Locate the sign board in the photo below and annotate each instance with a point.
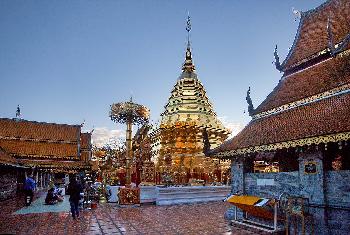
(310, 167)
(264, 182)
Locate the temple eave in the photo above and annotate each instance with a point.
(324, 139)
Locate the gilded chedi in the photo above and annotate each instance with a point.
(179, 137)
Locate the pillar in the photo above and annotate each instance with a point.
(312, 182)
(37, 178)
(128, 151)
(237, 184)
(41, 180)
(237, 175)
(312, 186)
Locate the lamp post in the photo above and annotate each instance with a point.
(129, 113)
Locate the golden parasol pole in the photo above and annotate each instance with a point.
(128, 150)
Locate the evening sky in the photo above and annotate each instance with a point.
(68, 61)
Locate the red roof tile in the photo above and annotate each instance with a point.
(328, 116)
(314, 80)
(312, 34)
(38, 130)
(44, 149)
(6, 158)
(85, 156)
(85, 140)
(55, 164)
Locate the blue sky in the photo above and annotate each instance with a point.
(66, 61)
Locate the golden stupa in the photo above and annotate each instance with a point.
(178, 140)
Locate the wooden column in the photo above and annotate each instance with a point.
(128, 151)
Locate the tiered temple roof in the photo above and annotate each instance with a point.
(6, 158)
(312, 38)
(45, 145)
(39, 130)
(85, 146)
(317, 79)
(310, 104)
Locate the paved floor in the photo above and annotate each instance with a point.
(205, 218)
(38, 206)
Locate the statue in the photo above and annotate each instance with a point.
(250, 103)
(206, 143)
(18, 112)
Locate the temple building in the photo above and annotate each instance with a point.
(303, 124)
(45, 149)
(179, 138)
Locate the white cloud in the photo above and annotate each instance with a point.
(234, 127)
(102, 136)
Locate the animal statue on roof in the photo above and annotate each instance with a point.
(206, 143)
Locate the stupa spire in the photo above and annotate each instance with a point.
(188, 65)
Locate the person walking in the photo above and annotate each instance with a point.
(29, 187)
(74, 190)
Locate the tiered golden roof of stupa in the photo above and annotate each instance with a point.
(187, 114)
(189, 108)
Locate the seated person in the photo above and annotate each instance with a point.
(51, 198)
(57, 191)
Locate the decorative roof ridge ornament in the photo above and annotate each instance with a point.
(83, 123)
(277, 60)
(250, 103)
(188, 65)
(297, 13)
(341, 46)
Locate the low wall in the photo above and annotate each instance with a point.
(8, 183)
(338, 188)
(148, 194)
(193, 194)
(272, 184)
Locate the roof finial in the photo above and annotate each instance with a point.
(250, 103)
(188, 29)
(83, 123)
(297, 13)
(188, 66)
(341, 45)
(18, 112)
(277, 60)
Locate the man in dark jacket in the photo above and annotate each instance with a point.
(74, 190)
(29, 187)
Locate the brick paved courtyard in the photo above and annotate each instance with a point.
(204, 218)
